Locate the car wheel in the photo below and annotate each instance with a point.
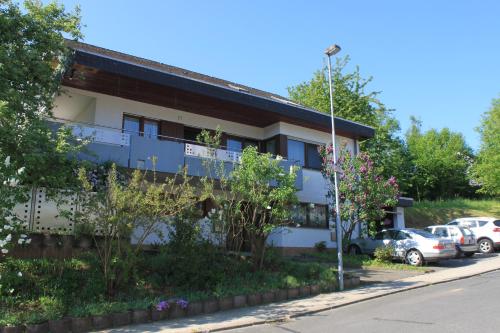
(469, 254)
(414, 258)
(485, 246)
(354, 250)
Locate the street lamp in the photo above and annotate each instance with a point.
(330, 51)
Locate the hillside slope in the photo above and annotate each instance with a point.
(426, 213)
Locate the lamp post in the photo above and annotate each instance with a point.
(330, 51)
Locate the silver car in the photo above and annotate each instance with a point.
(464, 239)
(412, 245)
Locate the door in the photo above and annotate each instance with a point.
(402, 243)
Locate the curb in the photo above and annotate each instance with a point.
(286, 318)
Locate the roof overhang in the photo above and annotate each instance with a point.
(405, 202)
(275, 110)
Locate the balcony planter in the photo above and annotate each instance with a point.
(38, 328)
(195, 308)
(293, 293)
(281, 295)
(305, 291)
(102, 322)
(254, 299)
(60, 325)
(226, 303)
(13, 329)
(81, 325)
(140, 316)
(157, 315)
(210, 306)
(315, 289)
(268, 297)
(121, 319)
(240, 301)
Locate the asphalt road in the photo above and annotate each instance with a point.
(469, 305)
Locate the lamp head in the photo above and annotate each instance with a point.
(332, 50)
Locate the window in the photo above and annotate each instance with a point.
(132, 125)
(496, 223)
(313, 159)
(234, 145)
(296, 152)
(151, 129)
(306, 154)
(468, 224)
(310, 215)
(140, 126)
(400, 235)
(270, 147)
(441, 232)
(191, 133)
(482, 223)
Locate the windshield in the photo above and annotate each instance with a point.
(423, 233)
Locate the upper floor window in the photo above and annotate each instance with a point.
(306, 154)
(140, 126)
(238, 144)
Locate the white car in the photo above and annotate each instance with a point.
(464, 239)
(412, 245)
(486, 230)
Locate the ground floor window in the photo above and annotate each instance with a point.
(310, 215)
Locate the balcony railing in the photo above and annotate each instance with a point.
(131, 150)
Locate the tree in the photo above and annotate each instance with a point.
(441, 161)
(115, 212)
(352, 102)
(33, 58)
(364, 194)
(265, 191)
(486, 169)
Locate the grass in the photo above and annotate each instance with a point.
(364, 261)
(425, 213)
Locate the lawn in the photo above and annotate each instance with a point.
(425, 213)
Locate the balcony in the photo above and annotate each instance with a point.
(133, 151)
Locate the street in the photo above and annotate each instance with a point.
(468, 305)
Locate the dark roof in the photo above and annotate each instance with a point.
(159, 73)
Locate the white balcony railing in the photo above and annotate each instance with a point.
(101, 135)
(205, 152)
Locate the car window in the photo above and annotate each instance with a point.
(441, 232)
(423, 233)
(482, 223)
(496, 223)
(453, 223)
(379, 235)
(466, 231)
(400, 235)
(428, 229)
(455, 231)
(468, 224)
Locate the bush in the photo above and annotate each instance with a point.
(383, 253)
(320, 246)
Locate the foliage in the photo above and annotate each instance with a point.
(425, 213)
(352, 102)
(441, 160)
(33, 58)
(121, 213)
(486, 169)
(363, 193)
(320, 246)
(383, 253)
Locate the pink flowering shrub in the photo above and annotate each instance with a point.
(363, 193)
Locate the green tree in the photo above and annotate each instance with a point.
(352, 102)
(364, 194)
(486, 169)
(441, 161)
(33, 58)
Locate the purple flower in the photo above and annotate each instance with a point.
(392, 180)
(182, 303)
(362, 169)
(162, 306)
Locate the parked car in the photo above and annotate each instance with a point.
(415, 246)
(464, 239)
(486, 230)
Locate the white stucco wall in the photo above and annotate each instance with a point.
(399, 218)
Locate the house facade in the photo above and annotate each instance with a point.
(134, 109)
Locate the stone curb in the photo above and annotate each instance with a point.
(305, 313)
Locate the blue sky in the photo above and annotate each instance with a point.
(437, 60)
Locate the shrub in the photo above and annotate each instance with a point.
(290, 282)
(320, 246)
(383, 253)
